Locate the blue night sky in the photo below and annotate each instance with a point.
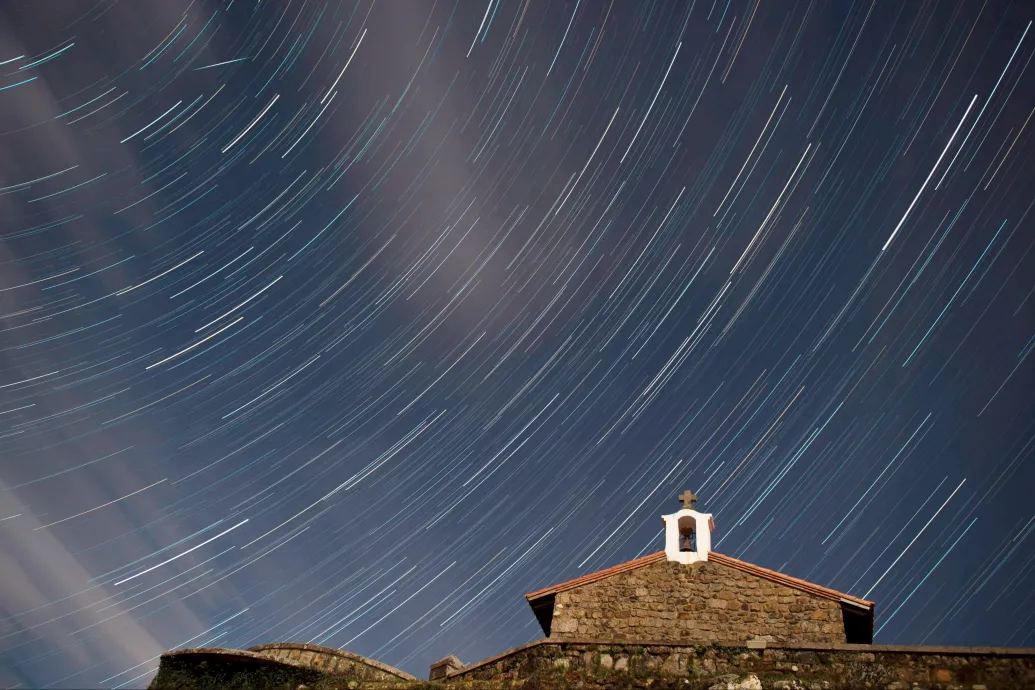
(351, 322)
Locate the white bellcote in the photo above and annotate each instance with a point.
(688, 533)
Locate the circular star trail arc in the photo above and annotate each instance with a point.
(351, 322)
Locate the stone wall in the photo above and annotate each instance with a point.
(592, 664)
(704, 602)
(330, 660)
(621, 665)
(223, 669)
(282, 666)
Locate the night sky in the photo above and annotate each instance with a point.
(350, 323)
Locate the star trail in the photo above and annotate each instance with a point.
(351, 322)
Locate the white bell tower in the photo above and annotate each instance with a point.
(688, 534)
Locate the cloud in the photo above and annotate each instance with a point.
(37, 569)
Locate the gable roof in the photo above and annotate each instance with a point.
(729, 561)
(858, 613)
(598, 575)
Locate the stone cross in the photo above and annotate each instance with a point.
(688, 498)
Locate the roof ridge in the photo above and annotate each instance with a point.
(598, 575)
(788, 580)
(729, 561)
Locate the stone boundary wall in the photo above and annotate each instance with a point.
(330, 660)
(242, 656)
(812, 666)
(211, 668)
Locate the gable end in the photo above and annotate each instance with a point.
(832, 617)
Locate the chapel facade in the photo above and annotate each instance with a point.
(691, 594)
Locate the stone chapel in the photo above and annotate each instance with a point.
(689, 593)
(685, 615)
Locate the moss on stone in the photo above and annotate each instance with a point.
(185, 674)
